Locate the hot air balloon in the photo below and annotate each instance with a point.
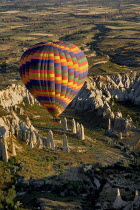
(53, 72)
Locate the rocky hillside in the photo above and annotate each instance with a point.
(20, 136)
(98, 94)
(98, 91)
(15, 94)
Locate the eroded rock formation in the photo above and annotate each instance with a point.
(65, 143)
(130, 205)
(13, 95)
(64, 124)
(99, 90)
(11, 126)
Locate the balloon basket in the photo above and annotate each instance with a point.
(56, 120)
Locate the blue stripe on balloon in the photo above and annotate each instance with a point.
(42, 61)
(83, 74)
(74, 91)
(76, 73)
(61, 102)
(46, 98)
(58, 85)
(79, 54)
(64, 87)
(64, 67)
(51, 109)
(41, 83)
(57, 64)
(70, 70)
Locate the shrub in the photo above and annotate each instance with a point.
(7, 199)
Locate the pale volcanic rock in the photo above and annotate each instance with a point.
(94, 94)
(118, 114)
(99, 90)
(128, 123)
(11, 125)
(3, 148)
(18, 110)
(133, 204)
(28, 122)
(33, 138)
(136, 201)
(78, 129)
(109, 126)
(64, 124)
(31, 144)
(107, 113)
(51, 139)
(73, 126)
(15, 94)
(82, 132)
(40, 143)
(119, 203)
(13, 149)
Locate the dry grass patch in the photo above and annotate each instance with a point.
(10, 12)
(22, 38)
(5, 47)
(41, 34)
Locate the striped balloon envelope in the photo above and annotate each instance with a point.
(53, 72)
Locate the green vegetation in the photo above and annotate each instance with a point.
(128, 108)
(7, 199)
(2, 112)
(106, 30)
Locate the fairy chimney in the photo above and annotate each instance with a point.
(82, 133)
(13, 149)
(28, 122)
(137, 200)
(109, 126)
(64, 124)
(78, 130)
(65, 143)
(5, 156)
(119, 203)
(51, 139)
(73, 126)
(39, 143)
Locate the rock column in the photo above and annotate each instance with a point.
(51, 139)
(64, 124)
(78, 130)
(119, 203)
(73, 126)
(82, 133)
(137, 200)
(39, 143)
(13, 149)
(109, 126)
(5, 156)
(65, 143)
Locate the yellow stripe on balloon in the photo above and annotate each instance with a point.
(58, 78)
(70, 83)
(64, 81)
(45, 93)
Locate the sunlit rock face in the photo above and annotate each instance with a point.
(98, 91)
(95, 94)
(11, 125)
(15, 94)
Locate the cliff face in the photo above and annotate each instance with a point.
(15, 94)
(96, 93)
(99, 90)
